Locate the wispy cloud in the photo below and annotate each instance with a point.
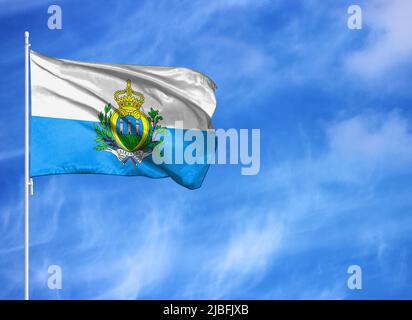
(241, 258)
(118, 250)
(320, 202)
(18, 6)
(10, 154)
(389, 45)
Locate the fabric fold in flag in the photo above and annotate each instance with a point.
(112, 118)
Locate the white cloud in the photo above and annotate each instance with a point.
(390, 42)
(329, 202)
(241, 258)
(248, 251)
(147, 259)
(10, 154)
(361, 151)
(17, 6)
(370, 140)
(127, 259)
(358, 150)
(305, 202)
(249, 248)
(112, 249)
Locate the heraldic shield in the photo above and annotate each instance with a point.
(129, 125)
(127, 131)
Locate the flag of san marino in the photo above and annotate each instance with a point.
(111, 118)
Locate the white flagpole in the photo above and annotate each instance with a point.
(27, 180)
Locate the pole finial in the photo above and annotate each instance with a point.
(26, 37)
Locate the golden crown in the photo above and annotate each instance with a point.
(128, 99)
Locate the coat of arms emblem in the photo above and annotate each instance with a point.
(127, 131)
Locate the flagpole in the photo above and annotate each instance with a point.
(27, 181)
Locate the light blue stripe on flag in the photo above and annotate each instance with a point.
(60, 146)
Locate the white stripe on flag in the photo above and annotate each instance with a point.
(79, 90)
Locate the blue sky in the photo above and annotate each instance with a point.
(333, 106)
